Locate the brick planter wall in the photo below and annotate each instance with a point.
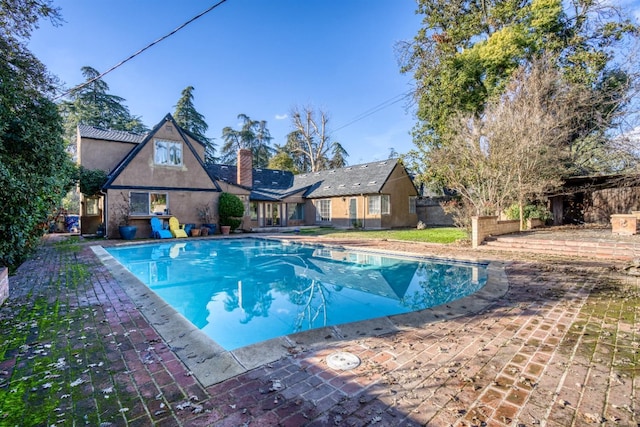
(484, 226)
(4, 284)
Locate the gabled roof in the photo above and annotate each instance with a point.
(367, 178)
(123, 164)
(274, 185)
(110, 135)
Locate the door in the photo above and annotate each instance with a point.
(353, 211)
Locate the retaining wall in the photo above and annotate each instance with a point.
(484, 226)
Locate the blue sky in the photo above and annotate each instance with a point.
(256, 57)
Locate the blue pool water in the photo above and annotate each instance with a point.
(243, 291)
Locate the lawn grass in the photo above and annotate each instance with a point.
(443, 235)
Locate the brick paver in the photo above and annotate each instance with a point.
(560, 349)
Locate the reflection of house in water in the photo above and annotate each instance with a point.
(360, 271)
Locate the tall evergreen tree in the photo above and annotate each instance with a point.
(91, 104)
(35, 170)
(254, 136)
(190, 119)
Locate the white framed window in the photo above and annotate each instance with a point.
(323, 210)
(412, 204)
(167, 153)
(91, 206)
(148, 203)
(379, 205)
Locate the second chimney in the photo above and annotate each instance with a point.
(245, 168)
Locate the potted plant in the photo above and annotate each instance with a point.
(230, 210)
(122, 210)
(205, 213)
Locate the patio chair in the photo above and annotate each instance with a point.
(174, 226)
(157, 232)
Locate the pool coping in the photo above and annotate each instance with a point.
(210, 364)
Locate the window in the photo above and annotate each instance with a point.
(168, 153)
(253, 208)
(323, 210)
(296, 211)
(149, 203)
(412, 204)
(380, 205)
(91, 206)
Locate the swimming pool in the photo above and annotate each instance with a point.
(244, 291)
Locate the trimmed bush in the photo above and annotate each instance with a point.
(230, 210)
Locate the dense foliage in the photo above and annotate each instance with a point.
(35, 169)
(91, 180)
(467, 52)
(230, 210)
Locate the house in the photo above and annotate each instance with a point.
(163, 174)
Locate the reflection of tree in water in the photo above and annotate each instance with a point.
(438, 282)
(304, 298)
(253, 298)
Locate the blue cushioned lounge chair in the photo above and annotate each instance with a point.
(157, 231)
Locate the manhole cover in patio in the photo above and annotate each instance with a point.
(343, 361)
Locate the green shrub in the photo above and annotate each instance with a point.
(230, 210)
(533, 211)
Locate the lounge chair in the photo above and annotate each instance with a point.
(157, 232)
(174, 226)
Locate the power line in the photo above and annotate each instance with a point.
(389, 102)
(119, 64)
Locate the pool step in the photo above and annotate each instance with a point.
(624, 251)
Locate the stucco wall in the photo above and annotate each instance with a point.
(399, 187)
(99, 154)
(188, 186)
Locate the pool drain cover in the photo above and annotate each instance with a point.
(343, 361)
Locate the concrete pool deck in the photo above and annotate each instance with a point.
(560, 347)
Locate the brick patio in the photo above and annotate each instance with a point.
(560, 348)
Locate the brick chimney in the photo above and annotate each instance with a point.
(245, 168)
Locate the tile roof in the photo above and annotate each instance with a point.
(110, 135)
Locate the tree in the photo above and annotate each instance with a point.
(35, 170)
(92, 105)
(310, 141)
(467, 51)
(190, 119)
(282, 160)
(516, 150)
(253, 136)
